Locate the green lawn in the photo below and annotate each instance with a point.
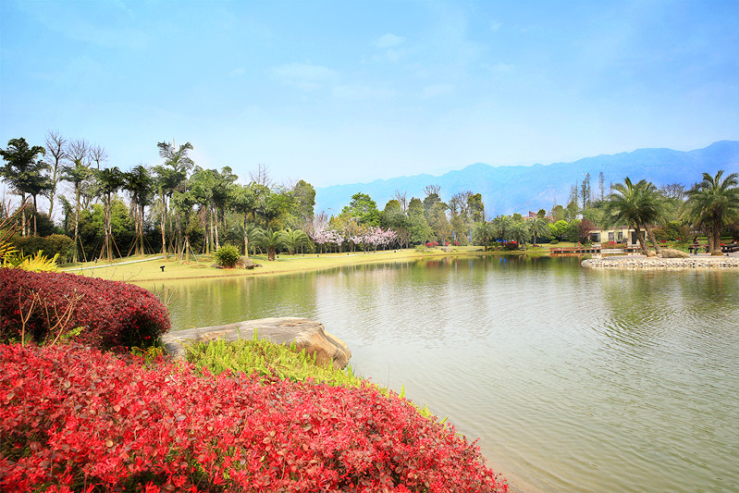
(205, 267)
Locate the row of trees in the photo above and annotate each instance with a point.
(178, 207)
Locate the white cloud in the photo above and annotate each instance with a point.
(238, 71)
(495, 25)
(388, 41)
(436, 90)
(304, 76)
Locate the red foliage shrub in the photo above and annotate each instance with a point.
(74, 417)
(456, 243)
(111, 313)
(510, 245)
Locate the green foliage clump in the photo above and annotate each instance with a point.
(51, 245)
(268, 360)
(227, 256)
(276, 362)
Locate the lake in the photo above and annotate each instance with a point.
(573, 380)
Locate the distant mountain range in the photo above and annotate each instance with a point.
(509, 189)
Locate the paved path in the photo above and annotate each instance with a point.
(114, 265)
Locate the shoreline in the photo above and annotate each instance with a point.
(640, 262)
(147, 270)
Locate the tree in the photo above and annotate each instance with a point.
(476, 208)
(271, 241)
(110, 180)
(77, 174)
(519, 232)
(420, 230)
(21, 170)
(292, 239)
(56, 154)
(363, 210)
(171, 174)
(483, 233)
(501, 225)
(714, 203)
(139, 183)
(539, 227)
(245, 200)
(623, 206)
(305, 196)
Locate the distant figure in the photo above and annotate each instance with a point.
(695, 240)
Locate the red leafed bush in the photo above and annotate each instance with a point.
(74, 417)
(44, 306)
(510, 245)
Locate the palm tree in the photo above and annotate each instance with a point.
(293, 239)
(623, 207)
(77, 175)
(171, 175)
(245, 200)
(22, 170)
(271, 241)
(501, 225)
(539, 227)
(714, 203)
(139, 183)
(483, 233)
(110, 180)
(652, 209)
(519, 232)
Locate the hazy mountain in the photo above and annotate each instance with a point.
(509, 189)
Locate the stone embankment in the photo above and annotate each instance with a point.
(657, 263)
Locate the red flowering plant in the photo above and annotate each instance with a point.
(74, 418)
(44, 307)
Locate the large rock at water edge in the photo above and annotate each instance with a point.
(672, 253)
(306, 334)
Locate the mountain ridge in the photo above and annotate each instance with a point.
(509, 189)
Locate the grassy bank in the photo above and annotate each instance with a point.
(137, 270)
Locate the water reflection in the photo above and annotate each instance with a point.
(575, 380)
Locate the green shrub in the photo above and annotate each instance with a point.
(51, 245)
(227, 256)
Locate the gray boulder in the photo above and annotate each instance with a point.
(672, 253)
(306, 334)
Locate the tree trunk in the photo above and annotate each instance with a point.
(642, 242)
(246, 239)
(76, 224)
(271, 253)
(164, 226)
(657, 248)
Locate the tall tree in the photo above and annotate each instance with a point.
(714, 204)
(140, 185)
(21, 170)
(109, 180)
(171, 176)
(78, 173)
(539, 227)
(56, 154)
(245, 200)
(623, 207)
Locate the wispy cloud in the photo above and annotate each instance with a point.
(56, 18)
(389, 40)
(238, 71)
(304, 76)
(495, 26)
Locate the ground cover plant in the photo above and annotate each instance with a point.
(77, 419)
(46, 307)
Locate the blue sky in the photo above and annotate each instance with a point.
(350, 91)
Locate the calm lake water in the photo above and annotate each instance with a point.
(573, 380)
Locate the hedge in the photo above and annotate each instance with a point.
(78, 419)
(46, 307)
